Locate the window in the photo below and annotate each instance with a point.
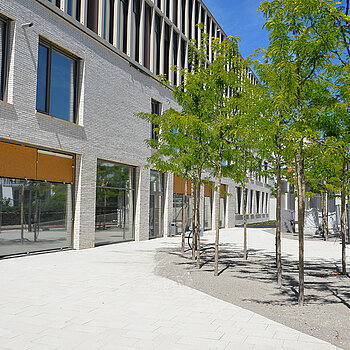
(56, 86)
(92, 15)
(74, 8)
(3, 56)
(166, 49)
(158, 33)
(175, 9)
(190, 9)
(257, 202)
(56, 2)
(239, 200)
(123, 25)
(147, 38)
(156, 109)
(108, 25)
(175, 52)
(183, 15)
(137, 18)
(114, 216)
(156, 204)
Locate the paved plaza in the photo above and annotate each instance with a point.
(110, 298)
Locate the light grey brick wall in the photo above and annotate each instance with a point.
(111, 92)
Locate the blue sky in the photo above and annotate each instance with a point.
(240, 18)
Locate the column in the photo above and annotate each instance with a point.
(85, 201)
(142, 195)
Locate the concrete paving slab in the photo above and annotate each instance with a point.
(110, 298)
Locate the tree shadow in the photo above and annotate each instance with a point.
(323, 284)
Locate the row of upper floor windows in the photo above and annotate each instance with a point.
(155, 33)
(58, 74)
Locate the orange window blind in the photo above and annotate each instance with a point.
(17, 162)
(179, 185)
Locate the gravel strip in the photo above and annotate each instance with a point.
(251, 284)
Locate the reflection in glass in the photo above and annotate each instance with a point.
(42, 79)
(34, 216)
(178, 206)
(156, 205)
(2, 56)
(114, 221)
(62, 87)
(207, 213)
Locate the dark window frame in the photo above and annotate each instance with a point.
(5, 57)
(156, 108)
(52, 47)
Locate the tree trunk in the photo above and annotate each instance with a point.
(278, 223)
(198, 225)
(193, 191)
(342, 219)
(245, 239)
(300, 181)
(184, 218)
(326, 215)
(217, 224)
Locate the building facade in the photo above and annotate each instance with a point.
(72, 153)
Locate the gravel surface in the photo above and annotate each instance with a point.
(251, 285)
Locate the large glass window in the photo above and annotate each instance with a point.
(207, 213)
(56, 85)
(114, 220)
(178, 212)
(222, 212)
(34, 216)
(156, 204)
(3, 58)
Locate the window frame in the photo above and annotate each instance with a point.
(155, 134)
(5, 57)
(52, 47)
